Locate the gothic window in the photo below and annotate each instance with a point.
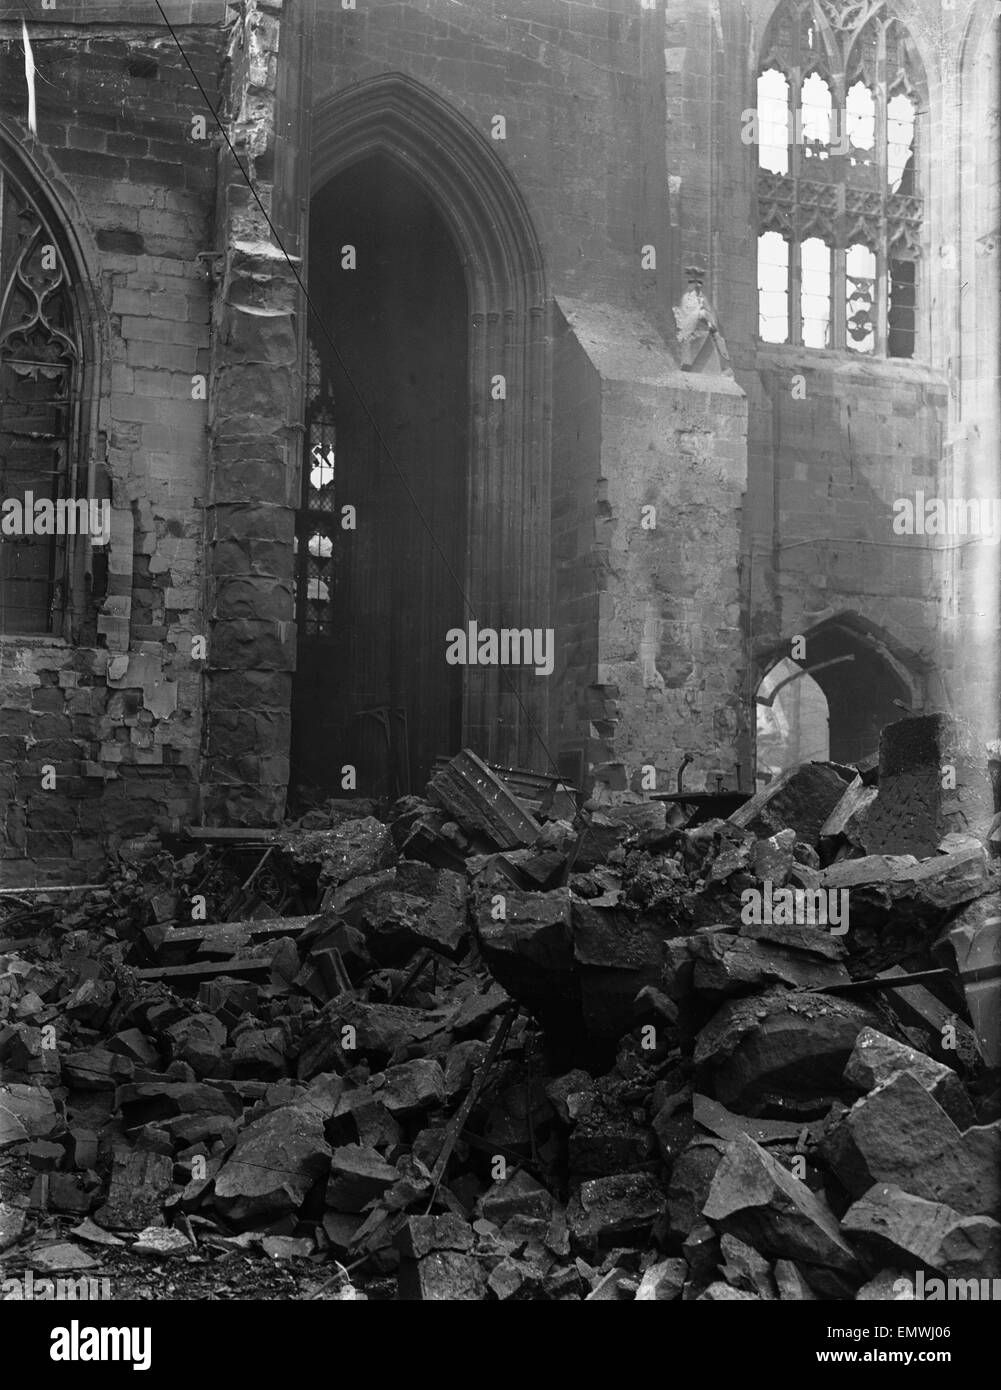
(840, 96)
(316, 520)
(40, 374)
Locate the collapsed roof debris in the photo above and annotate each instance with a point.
(471, 1050)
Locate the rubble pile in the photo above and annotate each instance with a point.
(493, 1047)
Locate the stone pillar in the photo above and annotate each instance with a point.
(254, 457)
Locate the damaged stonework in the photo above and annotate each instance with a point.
(101, 715)
(253, 461)
(671, 477)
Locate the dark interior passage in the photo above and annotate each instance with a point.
(860, 692)
(374, 603)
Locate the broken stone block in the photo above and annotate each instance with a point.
(616, 956)
(616, 1286)
(726, 1293)
(618, 1209)
(899, 1134)
(90, 1003)
(135, 1045)
(162, 1243)
(73, 1192)
(744, 1268)
(419, 1235)
(145, 1102)
(412, 1087)
(513, 1279)
(691, 1179)
(944, 1032)
(140, 1179)
(520, 1195)
(888, 1286)
(876, 1058)
(755, 1198)
(444, 1276)
(800, 799)
(662, 1282)
(354, 847)
(898, 902)
(790, 1284)
(96, 1069)
(461, 1065)
(358, 1175)
(570, 1094)
(198, 1040)
(726, 964)
(781, 1056)
(277, 1160)
(846, 823)
(61, 1258)
(892, 1225)
(772, 858)
(527, 942)
(609, 1135)
(913, 810)
(26, 1112)
(259, 1053)
(700, 1249)
(813, 940)
(341, 1228)
(377, 1032)
(599, 839)
(476, 798)
(422, 906)
(971, 945)
(726, 1125)
(517, 1110)
(287, 1247)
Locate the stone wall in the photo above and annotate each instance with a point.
(666, 506)
(115, 714)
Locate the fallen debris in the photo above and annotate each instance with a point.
(498, 1045)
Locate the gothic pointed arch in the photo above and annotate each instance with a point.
(842, 98)
(48, 360)
(506, 579)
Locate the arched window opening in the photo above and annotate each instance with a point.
(848, 82)
(860, 125)
(773, 121)
(860, 283)
(816, 108)
(773, 287)
(41, 361)
(792, 721)
(815, 299)
(835, 702)
(316, 518)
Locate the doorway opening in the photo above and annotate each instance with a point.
(374, 700)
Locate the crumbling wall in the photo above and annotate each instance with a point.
(254, 444)
(116, 719)
(666, 508)
(833, 443)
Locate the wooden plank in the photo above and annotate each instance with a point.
(213, 932)
(243, 968)
(478, 800)
(231, 835)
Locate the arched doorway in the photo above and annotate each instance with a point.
(381, 532)
(468, 405)
(793, 720)
(850, 674)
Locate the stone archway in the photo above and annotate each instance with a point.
(505, 567)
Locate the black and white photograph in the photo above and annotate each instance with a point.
(500, 673)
